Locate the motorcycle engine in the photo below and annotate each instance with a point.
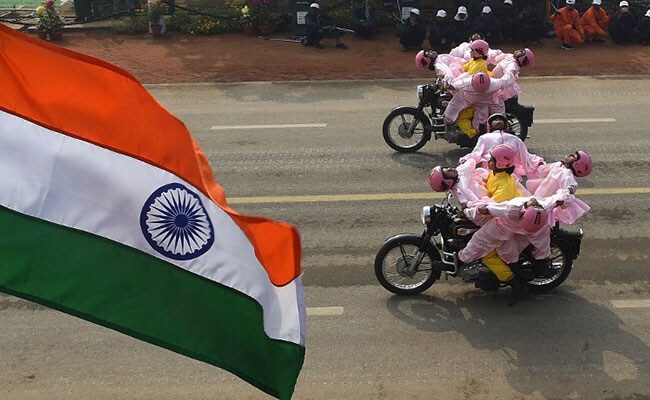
(470, 273)
(462, 229)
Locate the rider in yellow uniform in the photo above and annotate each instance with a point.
(479, 51)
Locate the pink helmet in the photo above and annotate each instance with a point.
(438, 181)
(481, 82)
(525, 58)
(480, 46)
(534, 219)
(504, 155)
(422, 61)
(582, 165)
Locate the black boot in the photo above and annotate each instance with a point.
(520, 290)
(454, 134)
(486, 280)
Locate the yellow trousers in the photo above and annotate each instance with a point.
(464, 121)
(497, 266)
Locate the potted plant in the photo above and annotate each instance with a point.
(49, 21)
(247, 21)
(264, 17)
(155, 11)
(255, 17)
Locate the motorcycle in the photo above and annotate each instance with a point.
(408, 264)
(407, 129)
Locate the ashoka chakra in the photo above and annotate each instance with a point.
(175, 223)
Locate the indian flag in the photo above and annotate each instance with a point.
(110, 212)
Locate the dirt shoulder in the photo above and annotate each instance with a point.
(236, 58)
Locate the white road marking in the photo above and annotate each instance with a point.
(273, 126)
(572, 120)
(643, 303)
(336, 310)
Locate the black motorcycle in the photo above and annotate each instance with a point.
(408, 264)
(407, 129)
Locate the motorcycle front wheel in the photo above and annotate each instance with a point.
(404, 132)
(516, 127)
(393, 259)
(561, 265)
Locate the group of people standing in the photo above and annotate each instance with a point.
(624, 26)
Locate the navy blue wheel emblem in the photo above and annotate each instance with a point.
(175, 223)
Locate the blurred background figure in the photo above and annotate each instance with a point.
(489, 26)
(595, 22)
(364, 19)
(530, 26)
(644, 29)
(623, 26)
(567, 25)
(460, 27)
(509, 17)
(440, 33)
(413, 32)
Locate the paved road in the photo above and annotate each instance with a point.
(589, 339)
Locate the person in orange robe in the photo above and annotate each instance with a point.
(567, 25)
(594, 22)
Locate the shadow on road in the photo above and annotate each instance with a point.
(426, 160)
(560, 345)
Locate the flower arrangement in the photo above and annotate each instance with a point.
(48, 18)
(255, 12)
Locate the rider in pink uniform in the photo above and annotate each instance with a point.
(473, 91)
(497, 125)
(559, 179)
(508, 67)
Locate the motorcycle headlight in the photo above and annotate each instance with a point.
(426, 215)
(420, 92)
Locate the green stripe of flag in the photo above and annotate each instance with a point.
(124, 289)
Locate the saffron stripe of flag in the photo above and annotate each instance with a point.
(114, 216)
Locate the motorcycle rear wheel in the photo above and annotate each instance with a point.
(394, 256)
(516, 128)
(561, 265)
(396, 130)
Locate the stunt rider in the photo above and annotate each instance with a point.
(558, 179)
(556, 195)
(478, 51)
(471, 91)
(508, 67)
(498, 133)
(466, 183)
(501, 186)
(463, 50)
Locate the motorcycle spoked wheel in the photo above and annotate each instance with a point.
(396, 130)
(394, 256)
(516, 128)
(561, 266)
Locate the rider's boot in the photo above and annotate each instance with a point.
(486, 280)
(454, 133)
(520, 290)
